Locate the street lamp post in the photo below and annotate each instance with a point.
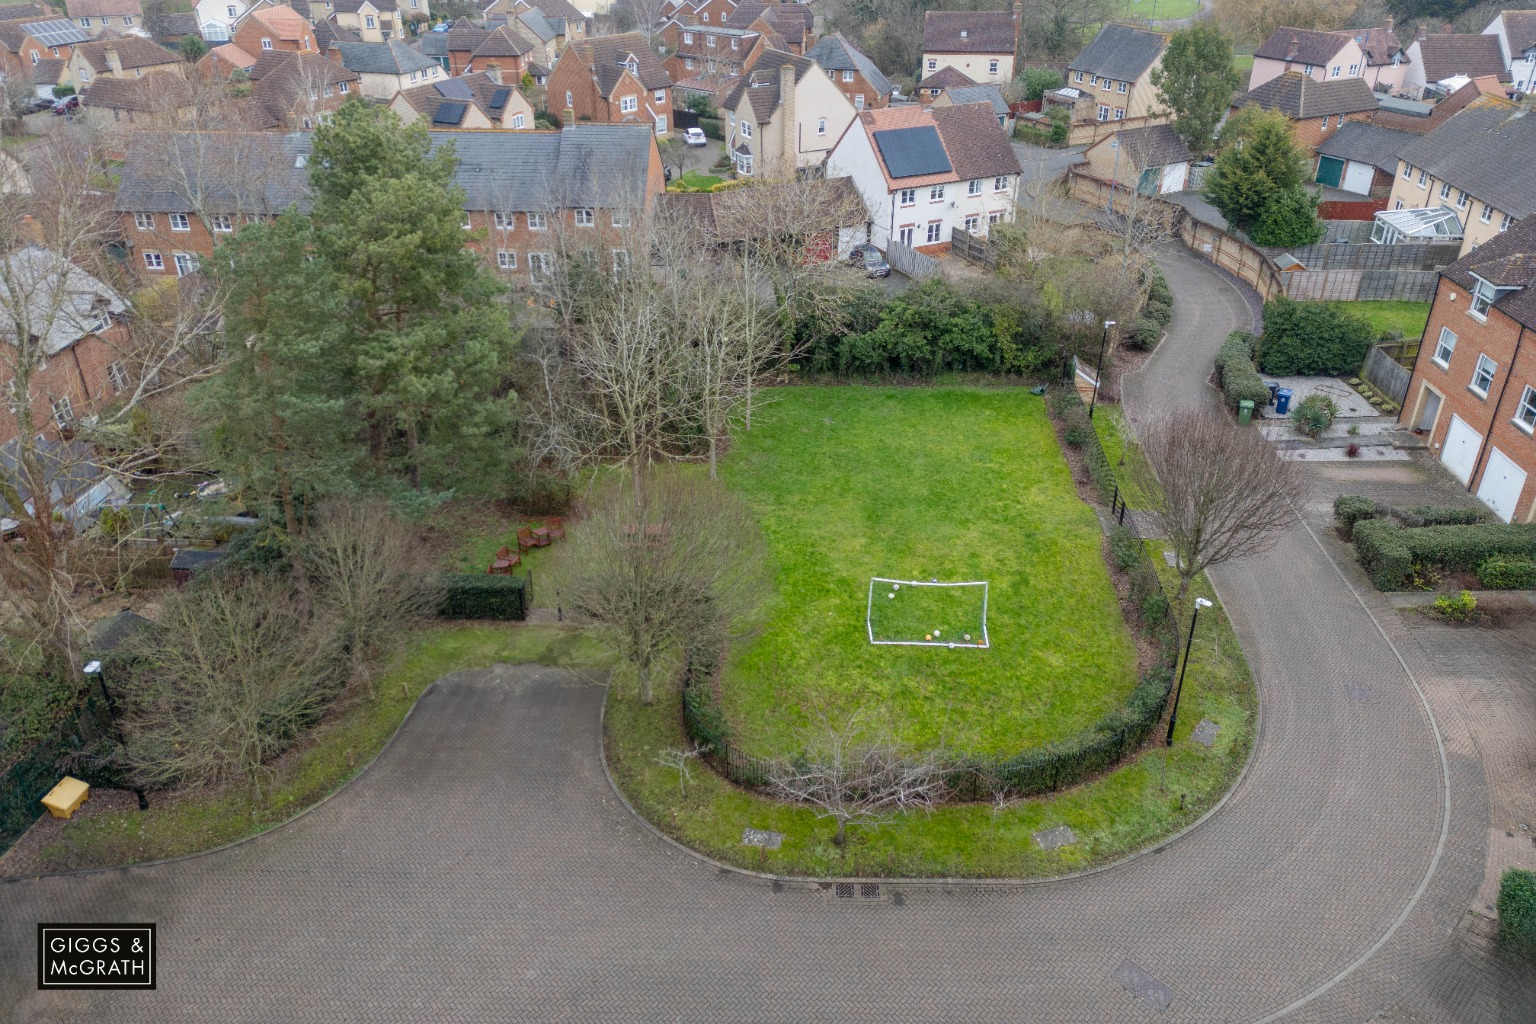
(93, 668)
(1098, 369)
(1173, 716)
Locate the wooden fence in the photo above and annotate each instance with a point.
(916, 265)
(972, 248)
(1341, 209)
(1386, 374)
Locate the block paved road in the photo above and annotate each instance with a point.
(482, 870)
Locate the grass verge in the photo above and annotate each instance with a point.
(1406, 318)
(351, 735)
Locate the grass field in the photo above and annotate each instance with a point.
(920, 483)
(1406, 318)
(695, 181)
(911, 613)
(1160, 10)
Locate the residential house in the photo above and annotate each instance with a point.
(463, 38)
(1152, 159)
(274, 28)
(775, 210)
(76, 482)
(97, 16)
(568, 24)
(1114, 72)
(1476, 164)
(700, 12)
(225, 59)
(1446, 58)
(531, 193)
(925, 171)
(48, 74)
(431, 44)
(157, 100)
(855, 74)
(612, 80)
(979, 44)
(1419, 118)
(1374, 54)
(28, 43)
(1361, 157)
(1314, 108)
(386, 68)
(792, 23)
(988, 94)
(327, 31)
(297, 91)
(83, 352)
(512, 51)
(378, 21)
(170, 29)
(1516, 33)
(783, 115)
(947, 77)
(1472, 396)
(217, 19)
(128, 57)
(474, 102)
(710, 54)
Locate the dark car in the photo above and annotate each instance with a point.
(37, 105)
(67, 104)
(871, 259)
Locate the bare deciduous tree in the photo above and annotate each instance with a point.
(677, 758)
(1220, 491)
(857, 778)
(677, 561)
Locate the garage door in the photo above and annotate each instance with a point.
(1460, 449)
(1330, 171)
(1357, 178)
(1502, 483)
(1174, 176)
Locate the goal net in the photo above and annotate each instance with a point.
(926, 613)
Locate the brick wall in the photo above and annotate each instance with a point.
(79, 373)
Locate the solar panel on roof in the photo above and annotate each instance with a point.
(910, 152)
(55, 33)
(499, 98)
(449, 113)
(455, 89)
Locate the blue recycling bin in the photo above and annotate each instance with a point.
(1283, 401)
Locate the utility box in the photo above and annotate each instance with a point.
(1283, 401)
(65, 799)
(1245, 411)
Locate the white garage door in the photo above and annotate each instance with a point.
(1460, 449)
(1357, 178)
(1173, 177)
(1502, 483)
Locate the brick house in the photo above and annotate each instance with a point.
(83, 348)
(612, 80)
(1374, 54)
(1361, 157)
(274, 28)
(463, 37)
(377, 21)
(864, 85)
(514, 52)
(297, 91)
(478, 101)
(793, 25)
(1473, 391)
(1478, 164)
(1113, 73)
(979, 44)
(29, 43)
(704, 52)
(97, 16)
(1314, 108)
(783, 115)
(128, 57)
(563, 22)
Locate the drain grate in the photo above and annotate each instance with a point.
(857, 892)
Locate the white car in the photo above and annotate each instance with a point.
(694, 136)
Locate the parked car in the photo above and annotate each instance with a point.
(871, 259)
(37, 104)
(694, 136)
(66, 105)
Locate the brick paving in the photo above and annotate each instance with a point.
(482, 869)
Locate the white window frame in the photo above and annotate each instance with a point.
(1093, 79)
(369, 21)
(1525, 411)
(506, 259)
(1423, 178)
(992, 67)
(1121, 86)
(1119, 113)
(1483, 297)
(502, 221)
(1000, 183)
(185, 262)
(821, 126)
(467, 224)
(687, 37)
(746, 129)
(1407, 169)
(1461, 199)
(1333, 72)
(996, 216)
(744, 164)
(619, 218)
(1354, 71)
(180, 222)
(619, 260)
(1485, 370)
(1508, 220)
(585, 219)
(1445, 347)
(847, 76)
(904, 235)
(1487, 215)
(935, 229)
(936, 194)
(973, 187)
(1445, 190)
(1103, 112)
(1077, 76)
(63, 412)
(538, 265)
(266, 44)
(153, 261)
(537, 222)
(223, 223)
(518, 121)
(972, 222)
(907, 197)
(629, 104)
(117, 377)
(933, 65)
(144, 221)
(344, 87)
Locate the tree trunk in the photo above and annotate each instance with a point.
(841, 839)
(644, 669)
(714, 447)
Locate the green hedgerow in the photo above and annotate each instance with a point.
(1517, 910)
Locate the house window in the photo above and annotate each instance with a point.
(743, 163)
(568, 97)
(101, 323)
(706, 19)
(709, 41)
(1103, 113)
(1077, 76)
(413, 76)
(847, 76)
(687, 37)
(1525, 415)
(858, 102)
(904, 236)
(933, 65)
(1307, 70)
(328, 90)
(934, 227)
(538, 264)
(688, 63)
(502, 220)
(821, 126)
(186, 263)
(585, 219)
(506, 260)
(1482, 377)
(222, 223)
(230, 10)
(1461, 199)
(1120, 87)
(1445, 190)
(127, 19)
(973, 188)
(908, 196)
(1506, 222)
(995, 217)
(620, 219)
(1423, 177)
(1444, 348)
(343, 88)
(1335, 72)
(144, 221)
(306, 123)
(154, 261)
(63, 413)
(35, 57)
(1487, 214)
(1482, 297)
(992, 67)
(1119, 113)
(936, 193)
(85, 22)
(746, 129)
(1354, 70)
(628, 104)
(118, 377)
(620, 260)
(517, 120)
(179, 222)
(733, 43)
(467, 223)
(368, 19)
(1399, 205)
(536, 222)
(1325, 122)
(1407, 170)
(1000, 184)
(85, 75)
(661, 96)
(266, 44)
(1093, 79)
(972, 223)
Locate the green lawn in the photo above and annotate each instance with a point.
(1243, 62)
(695, 180)
(1406, 318)
(952, 483)
(1150, 796)
(1160, 10)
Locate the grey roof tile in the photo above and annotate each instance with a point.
(835, 53)
(1298, 96)
(1119, 53)
(391, 58)
(969, 32)
(1368, 143)
(1488, 149)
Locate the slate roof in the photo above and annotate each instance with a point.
(1445, 56)
(559, 10)
(977, 145)
(25, 12)
(249, 173)
(1302, 45)
(1367, 143)
(355, 6)
(836, 53)
(969, 32)
(70, 470)
(1520, 27)
(605, 56)
(132, 51)
(1119, 53)
(78, 9)
(1379, 45)
(1298, 96)
(433, 44)
(760, 86)
(1488, 149)
(150, 94)
(1508, 260)
(328, 32)
(1153, 146)
(427, 99)
(284, 79)
(391, 58)
(538, 25)
(172, 26)
(990, 94)
(47, 282)
(947, 77)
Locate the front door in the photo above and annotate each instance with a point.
(1431, 410)
(1460, 450)
(1502, 484)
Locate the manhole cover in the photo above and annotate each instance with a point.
(762, 837)
(1051, 838)
(1357, 694)
(1205, 732)
(1143, 986)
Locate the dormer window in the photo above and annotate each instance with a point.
(1484, 295)
(964, 34)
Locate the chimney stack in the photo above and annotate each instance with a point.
(493, 72)
(789, 131)
(1389, 23)
(114, 63)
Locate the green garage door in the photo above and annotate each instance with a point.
(1330, 171)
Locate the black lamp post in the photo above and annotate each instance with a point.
(93, 668)
(1098, 369)
(1173, 716)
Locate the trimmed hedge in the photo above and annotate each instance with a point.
(1507, 572)
(1239, 379)
(1349, 509)
(1433, 515)
(1387, 551)
(480, 596)
(1312, 338)
(712, 127)
(1517, 910)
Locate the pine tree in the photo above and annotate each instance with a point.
(1258, 160)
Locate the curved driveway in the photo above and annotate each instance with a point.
(482, 869)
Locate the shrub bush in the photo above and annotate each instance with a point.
(1289, 218)
(713, 128)
(1144, 334)
(1507, 572)
(1077, 428)
(1456, 607)
(1124, 547)
(1431, 515)
(1157, 288)
(1349, 509)
(1239, 380)
(475, 596)
(1388, 552)
(1061, 124)
(1517, 910)
(1037, 82)
(1383, 555)
(1160, 313)
(1313, 415)
(1312, 338)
